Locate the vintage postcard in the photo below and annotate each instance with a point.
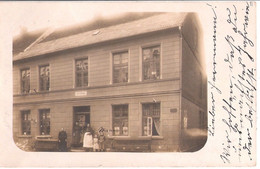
(137, 84)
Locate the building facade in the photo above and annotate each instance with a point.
(139, 80)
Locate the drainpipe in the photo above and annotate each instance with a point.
(180, 88)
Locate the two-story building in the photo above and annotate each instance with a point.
(140, 80)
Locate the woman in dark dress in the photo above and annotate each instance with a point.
(62, 140)
(77, 135)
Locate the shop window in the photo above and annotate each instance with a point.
(25, 80)
(81, 72)
(151, 63)
(120, 67)
(44, 78)
(45, 124)
(151, 119)
(26, 122)
(120, 120)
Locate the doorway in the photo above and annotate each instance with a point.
(81, 117)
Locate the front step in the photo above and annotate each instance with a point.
(77, 149)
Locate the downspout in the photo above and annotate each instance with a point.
(180, 88)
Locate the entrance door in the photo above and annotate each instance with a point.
(81, 119)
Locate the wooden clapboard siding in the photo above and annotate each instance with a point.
(106, 92)
(193, 63)
(62, 65)
(16, 80)
(193, 78)
(194, 85)
(101, 94)
(62, 115)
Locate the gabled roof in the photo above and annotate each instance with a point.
(22, 41)
(133, 28)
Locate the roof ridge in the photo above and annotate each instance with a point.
(99, 29)
(150, 24)
(44, 35)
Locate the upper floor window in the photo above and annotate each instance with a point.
(26, 122)
(25, 80)
(120, 120)
(44, 78)
(120, 67)
(45, 123)
(151, 119)
(81, 72)
(151, 63)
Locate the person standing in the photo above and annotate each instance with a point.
(87, 140)
(95, 143)
(102, 140)
(62, 140)
(77, 135)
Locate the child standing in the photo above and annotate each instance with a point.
(102, 141)
(95, 143)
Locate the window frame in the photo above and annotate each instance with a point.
(21, 80)
(143, 117)
(121, 129)
(159, 46)
(23, 112)
(41, 111)
(82, 73)
(49, 76)
(113, 65)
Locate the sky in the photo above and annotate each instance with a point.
(37, 15)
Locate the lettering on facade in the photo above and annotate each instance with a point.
(81, 93)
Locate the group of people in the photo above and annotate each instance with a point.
(91, 140)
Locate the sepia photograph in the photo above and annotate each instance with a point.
(132, 82)
(128, 84)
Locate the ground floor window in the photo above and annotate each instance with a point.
(26, 122)
(151, 119)
(45, 124)
(120, 120)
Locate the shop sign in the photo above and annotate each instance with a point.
(81, 93)
(173, 110)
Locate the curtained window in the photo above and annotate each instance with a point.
(151, 63)
(25, 80)
(44, 78)
(151, 119)
(81, 72)
(120, 120)
(45, 123)
(120, 67)
(26, 122)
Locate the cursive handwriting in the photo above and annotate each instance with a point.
(245, 24)
(214, 89)
(231, 41)
(226, 149)
(211, 127)
(238, 103)
(248, 145)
